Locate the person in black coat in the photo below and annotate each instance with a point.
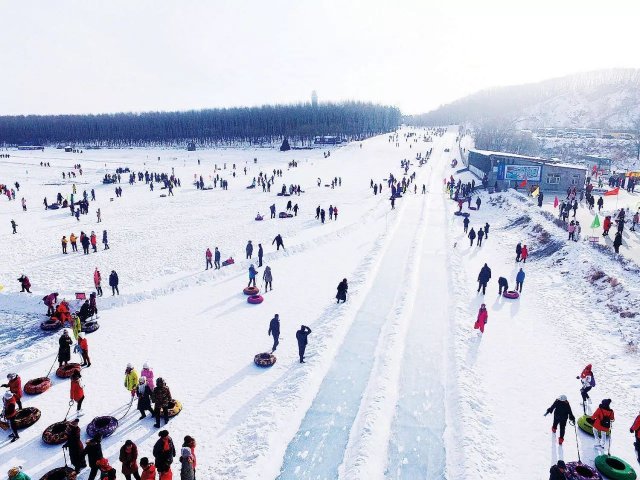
(483, 278)
(163, 452)
(472, 236)
(301, 336)
(274, 329)
(64, 348)
(465, 223)
(486, 231)
(557, 472)
(93, 452)
(260, 254)
(342, 291)
(278, 241)
(85, 311)
(540, 198)
(74, 444)
(113, 282)
(480, 237)
(143, 392)
(518, 251)
(617, 242)
(503, 285)
(561, 412)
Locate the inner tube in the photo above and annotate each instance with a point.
(615, 468)
(50, 325)
(511, 294)
(90, 326)
(174, 407)
(105, 426)
(255, 299)
(60, 473)
(27, 417)
(585, 422)
(259, 218)
(580, 471)
(264, 360)
(461, 214)
(37, 385)
(67, 370)
(56, 433)
(251, 291)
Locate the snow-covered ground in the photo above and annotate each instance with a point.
(397, 384)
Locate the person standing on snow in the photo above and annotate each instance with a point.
(481, 320)
(278, 241)
(465, 224)
(25, 283)
(519, 280)
(148, 469)
(600, 203)
(518, 251)
(161, 398)
(208, 255)
(73, 239)
(64, 244)
(249, 250)
(617, 242)
(478, 203)
(83, 345)
(147, 372)
(260, 254)
(480, 237)
(131, 380)
(129, 458)
(164, 452)
(561, 412)
(635, 428)
(94, 241)
(77, 391)
(524, 254)
(274, 330)
(9, 412)
(14, 384)
(342, 291)
(301, 337)
(483, 278)
(471, 236)
(64, 348)
(13, 226)
(503, 285)
(268, 278)
(252, 275)
(272, 209)
(105, 241)
(97, 279)
(113, 282)
(216, 258)
(557, 471)
(93, 451)
(603, 417)
(588, 381)
(75, 447)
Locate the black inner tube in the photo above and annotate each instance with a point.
(615, 464)
(584, 472)
(62, 473)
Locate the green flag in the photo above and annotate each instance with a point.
(596, 222)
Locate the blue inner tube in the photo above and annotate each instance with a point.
(105, 426)
(91, 326)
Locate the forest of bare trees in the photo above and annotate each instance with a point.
(254, 125)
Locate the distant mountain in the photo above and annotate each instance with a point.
(607, 99)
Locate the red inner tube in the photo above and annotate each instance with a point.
(251, 291)
(56, 433)
(66, 371)
(255, 299)
(511, 294)
(37, 385)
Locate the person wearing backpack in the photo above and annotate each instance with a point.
(588, 382)
(561, 413)
(603, 417)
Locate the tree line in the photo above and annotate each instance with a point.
(267, 124)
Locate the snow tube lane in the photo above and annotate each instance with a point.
(317, 449)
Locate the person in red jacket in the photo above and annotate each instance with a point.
(208, 256)
(606, 225)
(129, 459)
(524, 254)
(77, 390)
(603, 417)
(84, 350)
(94, 241)
(481, 321)
(97, 279)
(15, 386)
(635, 429)
(10, 411)
(190, 443)
(148, 469)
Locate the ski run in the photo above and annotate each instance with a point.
(396, 382)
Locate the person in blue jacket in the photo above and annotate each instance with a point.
(252, 275)
(519, 280)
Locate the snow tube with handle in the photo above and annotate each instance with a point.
(580, 471)
(60, 473)
(585, 422)
(50, 325)
(511, 294)
(255, 299)
(174, 407)
(37, 385)
(67, 370)
(105, 426)
(251, 291)
(91, 326)
(615, 468)
(264, 360)
(228, 261)
(259, 218)
(56, 433)
(461, 214)
(27, 417)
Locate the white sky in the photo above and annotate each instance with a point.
(90, 56)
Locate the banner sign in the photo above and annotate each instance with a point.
(521, 172)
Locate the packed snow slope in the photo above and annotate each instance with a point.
(396, 383)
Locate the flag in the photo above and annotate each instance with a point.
(536, 192)
(615, 191)
(556, 203)
(523, 183)
(596, 222)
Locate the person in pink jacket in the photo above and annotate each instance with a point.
(147, 373)
(97, 279)
(482, 319)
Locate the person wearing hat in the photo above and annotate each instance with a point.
(84, 349)
(481, 320)
(16, 473)
(9, 411)
(147, 372)
(131, 379)
(603, 417)
(252, 275)
(75, 446)
(186, 461)
(144, 393)
(164, 452)
(561, 412)
(557, 471)
(93, 451)
(14, 384)
(161, 398)
(190, 442)
(64, 348)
